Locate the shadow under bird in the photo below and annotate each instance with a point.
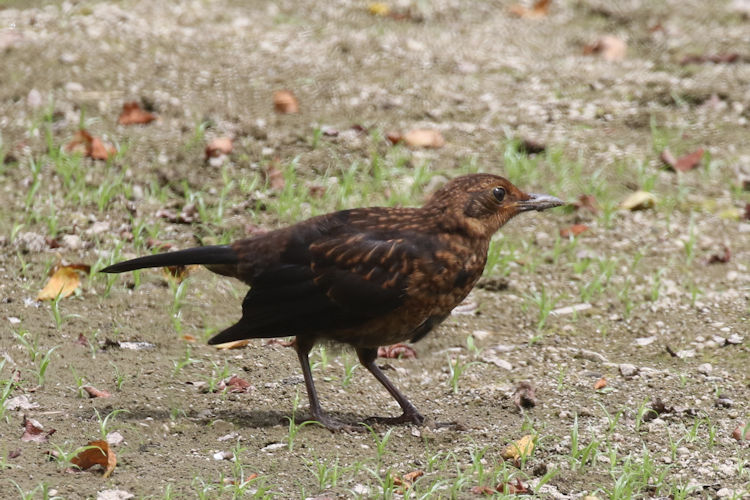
(365, 277)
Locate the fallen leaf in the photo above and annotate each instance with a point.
(234, 384)
(573, 230)
(397, 351)
(723, 58)
(218, 147)
(235, 344)
(518, 449)
(14, 453)
(275, 178)
(96, 393)
(424, 138)
(511, 488)
(483, 490)
(411, 476)
(189, 338)
(133, 114)
(538, 10)
(587, 202)
(88, 145)
(63, 282)
(600, 384)
(722, 258)
(285, 102)
(524, 396)
(179, 273)
(683, 163)
(746, 216)
(379, 9)
(609, 47)
(96, 453)
(742, 432)
(394, 137)
(34, 432)
(639, 200)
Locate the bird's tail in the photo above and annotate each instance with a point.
(208, 255)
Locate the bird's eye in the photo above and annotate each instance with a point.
(498, 193)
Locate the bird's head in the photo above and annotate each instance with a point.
(483, 203)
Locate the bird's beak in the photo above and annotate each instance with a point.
(539, 202)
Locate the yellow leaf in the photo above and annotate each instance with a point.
(99, 453)
(379, 9)
(63, 282)
(235, 344)
(521, 448)
(640, 200)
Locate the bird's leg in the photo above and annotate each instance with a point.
(303, 350)
(367, 357)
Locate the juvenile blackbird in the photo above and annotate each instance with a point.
(365, 277)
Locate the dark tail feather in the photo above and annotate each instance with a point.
(216, 254)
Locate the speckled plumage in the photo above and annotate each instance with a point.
(366, 277)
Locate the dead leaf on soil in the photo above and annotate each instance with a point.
(683, 163)
(189, 338)
(512, 488)
(722, 58)
(285, 102)
(573, 230)
(275, 177)
(721, 258)
(236, 344)
(93, 392)
(600, 384)
(538, 10)
(742, 432)
(521, 448)
(63, 282)
(88, 145)
(379, 9)
(34, 432)
(397, 351)
(424, 138)
(746, 216)
(218, 147)
(406, 480)
(483, 490)
(609, 47)
(587, 202)
(234, 384)
(639, 200)
(133, 114)
(96, 453)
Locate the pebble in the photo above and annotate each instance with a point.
(724, 492)
(628, 370)
(72, 241)
(98, 228)
(273, 446)
(705, 368)
(31, 242)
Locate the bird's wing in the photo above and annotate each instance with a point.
(323, 281)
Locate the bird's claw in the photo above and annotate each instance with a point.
(408, 417)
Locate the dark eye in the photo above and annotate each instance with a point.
(498, 193)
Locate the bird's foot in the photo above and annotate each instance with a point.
(332, 424)
(408, 417)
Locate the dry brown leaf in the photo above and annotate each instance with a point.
(63, 282)
(275, 178)
(746, 215)
(234, 384)
(683, 163)
(133, 114)
(511, 488)
(721, 258)
(189, 338)
(397, 351)
(538, 10)
(573, 230)
(424, 138)
(521, 448)
(235, 344)
(483, 490)
(609, 47)
(93, 147)
(285, 102)
(34, 432)
(394, 137)
(742, 432)
(99, 453)
(96, 393)
(600, 384)
(587, 202)
(723, 58)
(219, 146)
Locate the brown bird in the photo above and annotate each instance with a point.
(365, 277)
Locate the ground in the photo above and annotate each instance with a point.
(656, 302)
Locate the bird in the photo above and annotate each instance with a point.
(362, 277)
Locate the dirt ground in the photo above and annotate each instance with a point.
(652, 305)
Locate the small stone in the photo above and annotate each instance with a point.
(72, 241)
(272, 447)
(500, 363)
(682, 451)
(34, 99)
(723, 402)
(223, 455)
(724, 492)
(112, 495)
(98, 228)
(628, 370)
(114, 438)
(644, 341)
(30, 242)
(734, 339)
(705, 368)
